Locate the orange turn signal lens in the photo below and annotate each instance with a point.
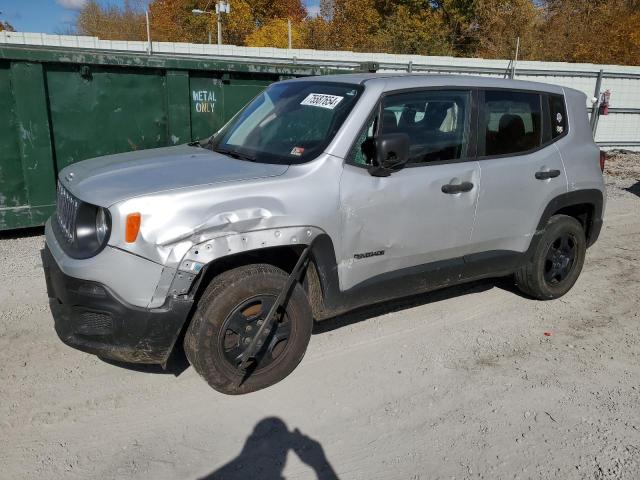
(132, 228)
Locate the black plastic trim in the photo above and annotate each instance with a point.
(591, 197)
(406, 281)
(132, 334)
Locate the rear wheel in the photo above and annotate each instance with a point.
(228, 316)
(557, 260)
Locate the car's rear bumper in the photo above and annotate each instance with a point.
(90, 317)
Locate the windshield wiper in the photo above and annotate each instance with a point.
(235, 154)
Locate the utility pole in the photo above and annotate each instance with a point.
(221, 7)
(289, 32)
(515, 60)
(149, 44)
(219, 29)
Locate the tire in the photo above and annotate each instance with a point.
(549, 274)
(227, 314)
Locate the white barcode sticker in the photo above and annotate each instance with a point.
(322, 100)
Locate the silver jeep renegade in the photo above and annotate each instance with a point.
(320, 196)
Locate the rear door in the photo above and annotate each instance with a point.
(406, 220)
(520, 167)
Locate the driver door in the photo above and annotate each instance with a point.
(406, 220)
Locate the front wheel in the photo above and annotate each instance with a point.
(557, 260)
(227, 317)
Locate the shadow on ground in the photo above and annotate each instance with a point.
(635, 189)
(264, 454)
(392, 306)
(21, 233)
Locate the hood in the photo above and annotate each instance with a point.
(106, 180)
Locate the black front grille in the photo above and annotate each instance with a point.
(66, 213)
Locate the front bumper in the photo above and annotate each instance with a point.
(90, 317)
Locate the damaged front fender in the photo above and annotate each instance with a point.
(198, 256)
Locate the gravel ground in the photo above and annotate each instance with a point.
(462, 383)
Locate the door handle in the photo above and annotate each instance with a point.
(452, 188)
(546, 174)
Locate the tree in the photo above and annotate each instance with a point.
(274, 33)
(6, 26)
(110, 22)
(348, 25)
(500, 22)
(600, 31)
(416, 32)
(265, 10)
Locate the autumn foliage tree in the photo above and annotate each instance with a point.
(6, 26)
(111, 22)
(600, 31)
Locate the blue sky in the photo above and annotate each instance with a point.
(56, 16)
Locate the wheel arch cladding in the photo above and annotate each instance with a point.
(283, 257)
(583, 205)
(320, 281)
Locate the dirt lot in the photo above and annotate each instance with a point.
(458, 384)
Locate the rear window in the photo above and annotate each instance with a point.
(510, 123)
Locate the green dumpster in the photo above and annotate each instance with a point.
(60, 106)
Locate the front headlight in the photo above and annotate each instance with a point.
(102, 225)
(83, 229)
(92, 230)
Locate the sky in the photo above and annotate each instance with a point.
(57, 16)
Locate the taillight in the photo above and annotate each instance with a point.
(603, 157)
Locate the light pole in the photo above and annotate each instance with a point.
(221, 7)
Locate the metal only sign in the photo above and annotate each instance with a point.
(203, 100)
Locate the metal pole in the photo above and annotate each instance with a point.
(595, 110)
(289, 32)
(515, 60)
(219, 17)
(149, 46)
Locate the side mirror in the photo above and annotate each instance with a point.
(391, 153)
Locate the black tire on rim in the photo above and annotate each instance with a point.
(557, 260)
(228, 315)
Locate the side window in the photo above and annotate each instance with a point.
(558, 116)
(511, 122)
(436, 121)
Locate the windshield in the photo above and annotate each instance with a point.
(288, 123)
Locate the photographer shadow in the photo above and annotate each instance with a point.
(264, 454)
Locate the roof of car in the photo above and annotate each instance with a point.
(397, 81)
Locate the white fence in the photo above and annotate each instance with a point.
(621, 128)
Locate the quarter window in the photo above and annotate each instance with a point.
(437, 123)
(558, 120)
(511, 122)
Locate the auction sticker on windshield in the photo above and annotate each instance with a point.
(322, 100)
